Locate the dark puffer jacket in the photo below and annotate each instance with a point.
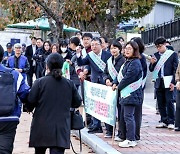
(132, 72)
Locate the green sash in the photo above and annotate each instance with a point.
(97, 60)
(161, 62)
(131, 87)
(112, 71)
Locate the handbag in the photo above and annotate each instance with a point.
(76, 124)
(76, 120)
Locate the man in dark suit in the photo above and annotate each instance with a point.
(163, 65)
(96, 72)
(30, 51)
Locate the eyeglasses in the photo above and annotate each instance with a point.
(129, 48)
(95, 44)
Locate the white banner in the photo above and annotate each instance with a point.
(100, 102)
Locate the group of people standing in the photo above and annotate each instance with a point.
(125, 69)
(119, 65)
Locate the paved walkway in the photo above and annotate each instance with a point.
(22, 139)
(153, 140)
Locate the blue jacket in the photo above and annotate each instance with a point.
(23, 64)
(132, 71)
(96, 73)
(6, 55)
(21, 91)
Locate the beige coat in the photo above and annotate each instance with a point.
(177, 75)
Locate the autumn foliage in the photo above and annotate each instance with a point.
(87, 15)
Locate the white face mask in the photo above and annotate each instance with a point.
(63, 49)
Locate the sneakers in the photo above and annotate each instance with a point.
(127, 144)
(138, 141)
(108, 135)
(161, 125)
(118, 139)
(170, 126)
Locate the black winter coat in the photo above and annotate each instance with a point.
(52, 100)
(132, 71)
(170, 67)
(119, 61)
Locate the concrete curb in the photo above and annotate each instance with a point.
(98, 145)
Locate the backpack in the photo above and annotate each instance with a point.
(7, 93)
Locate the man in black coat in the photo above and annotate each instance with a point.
(164, 94)
(30, 51)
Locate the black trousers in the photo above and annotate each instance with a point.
(109, 129)
(7, 135)
(138, 119)
(118, 112)
(165, 104)
(30, 75)
(53, 150)
(177, 116)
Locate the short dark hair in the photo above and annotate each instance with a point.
(55, 62)
(120, 38)
(39, 39)
(96, 39)
(135, 47)
(78, 32)
(87, 35)
(33, 38)
(160, 40)
(63, 43)
(115, 43)
(105, 39)
(75, 40)
(1, 53)
(140, 43)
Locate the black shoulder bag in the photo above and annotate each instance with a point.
(76, 124)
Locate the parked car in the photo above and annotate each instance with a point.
(127, 25)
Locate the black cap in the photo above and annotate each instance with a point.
(23, 45)
(9, 45)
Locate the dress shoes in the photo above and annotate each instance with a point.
(95, 130)
(90, 127)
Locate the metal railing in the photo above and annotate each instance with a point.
(169, 30)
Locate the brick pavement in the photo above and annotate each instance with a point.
(153, 140)
(22, 139)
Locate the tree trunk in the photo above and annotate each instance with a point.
(110, 22)
(55, 15)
